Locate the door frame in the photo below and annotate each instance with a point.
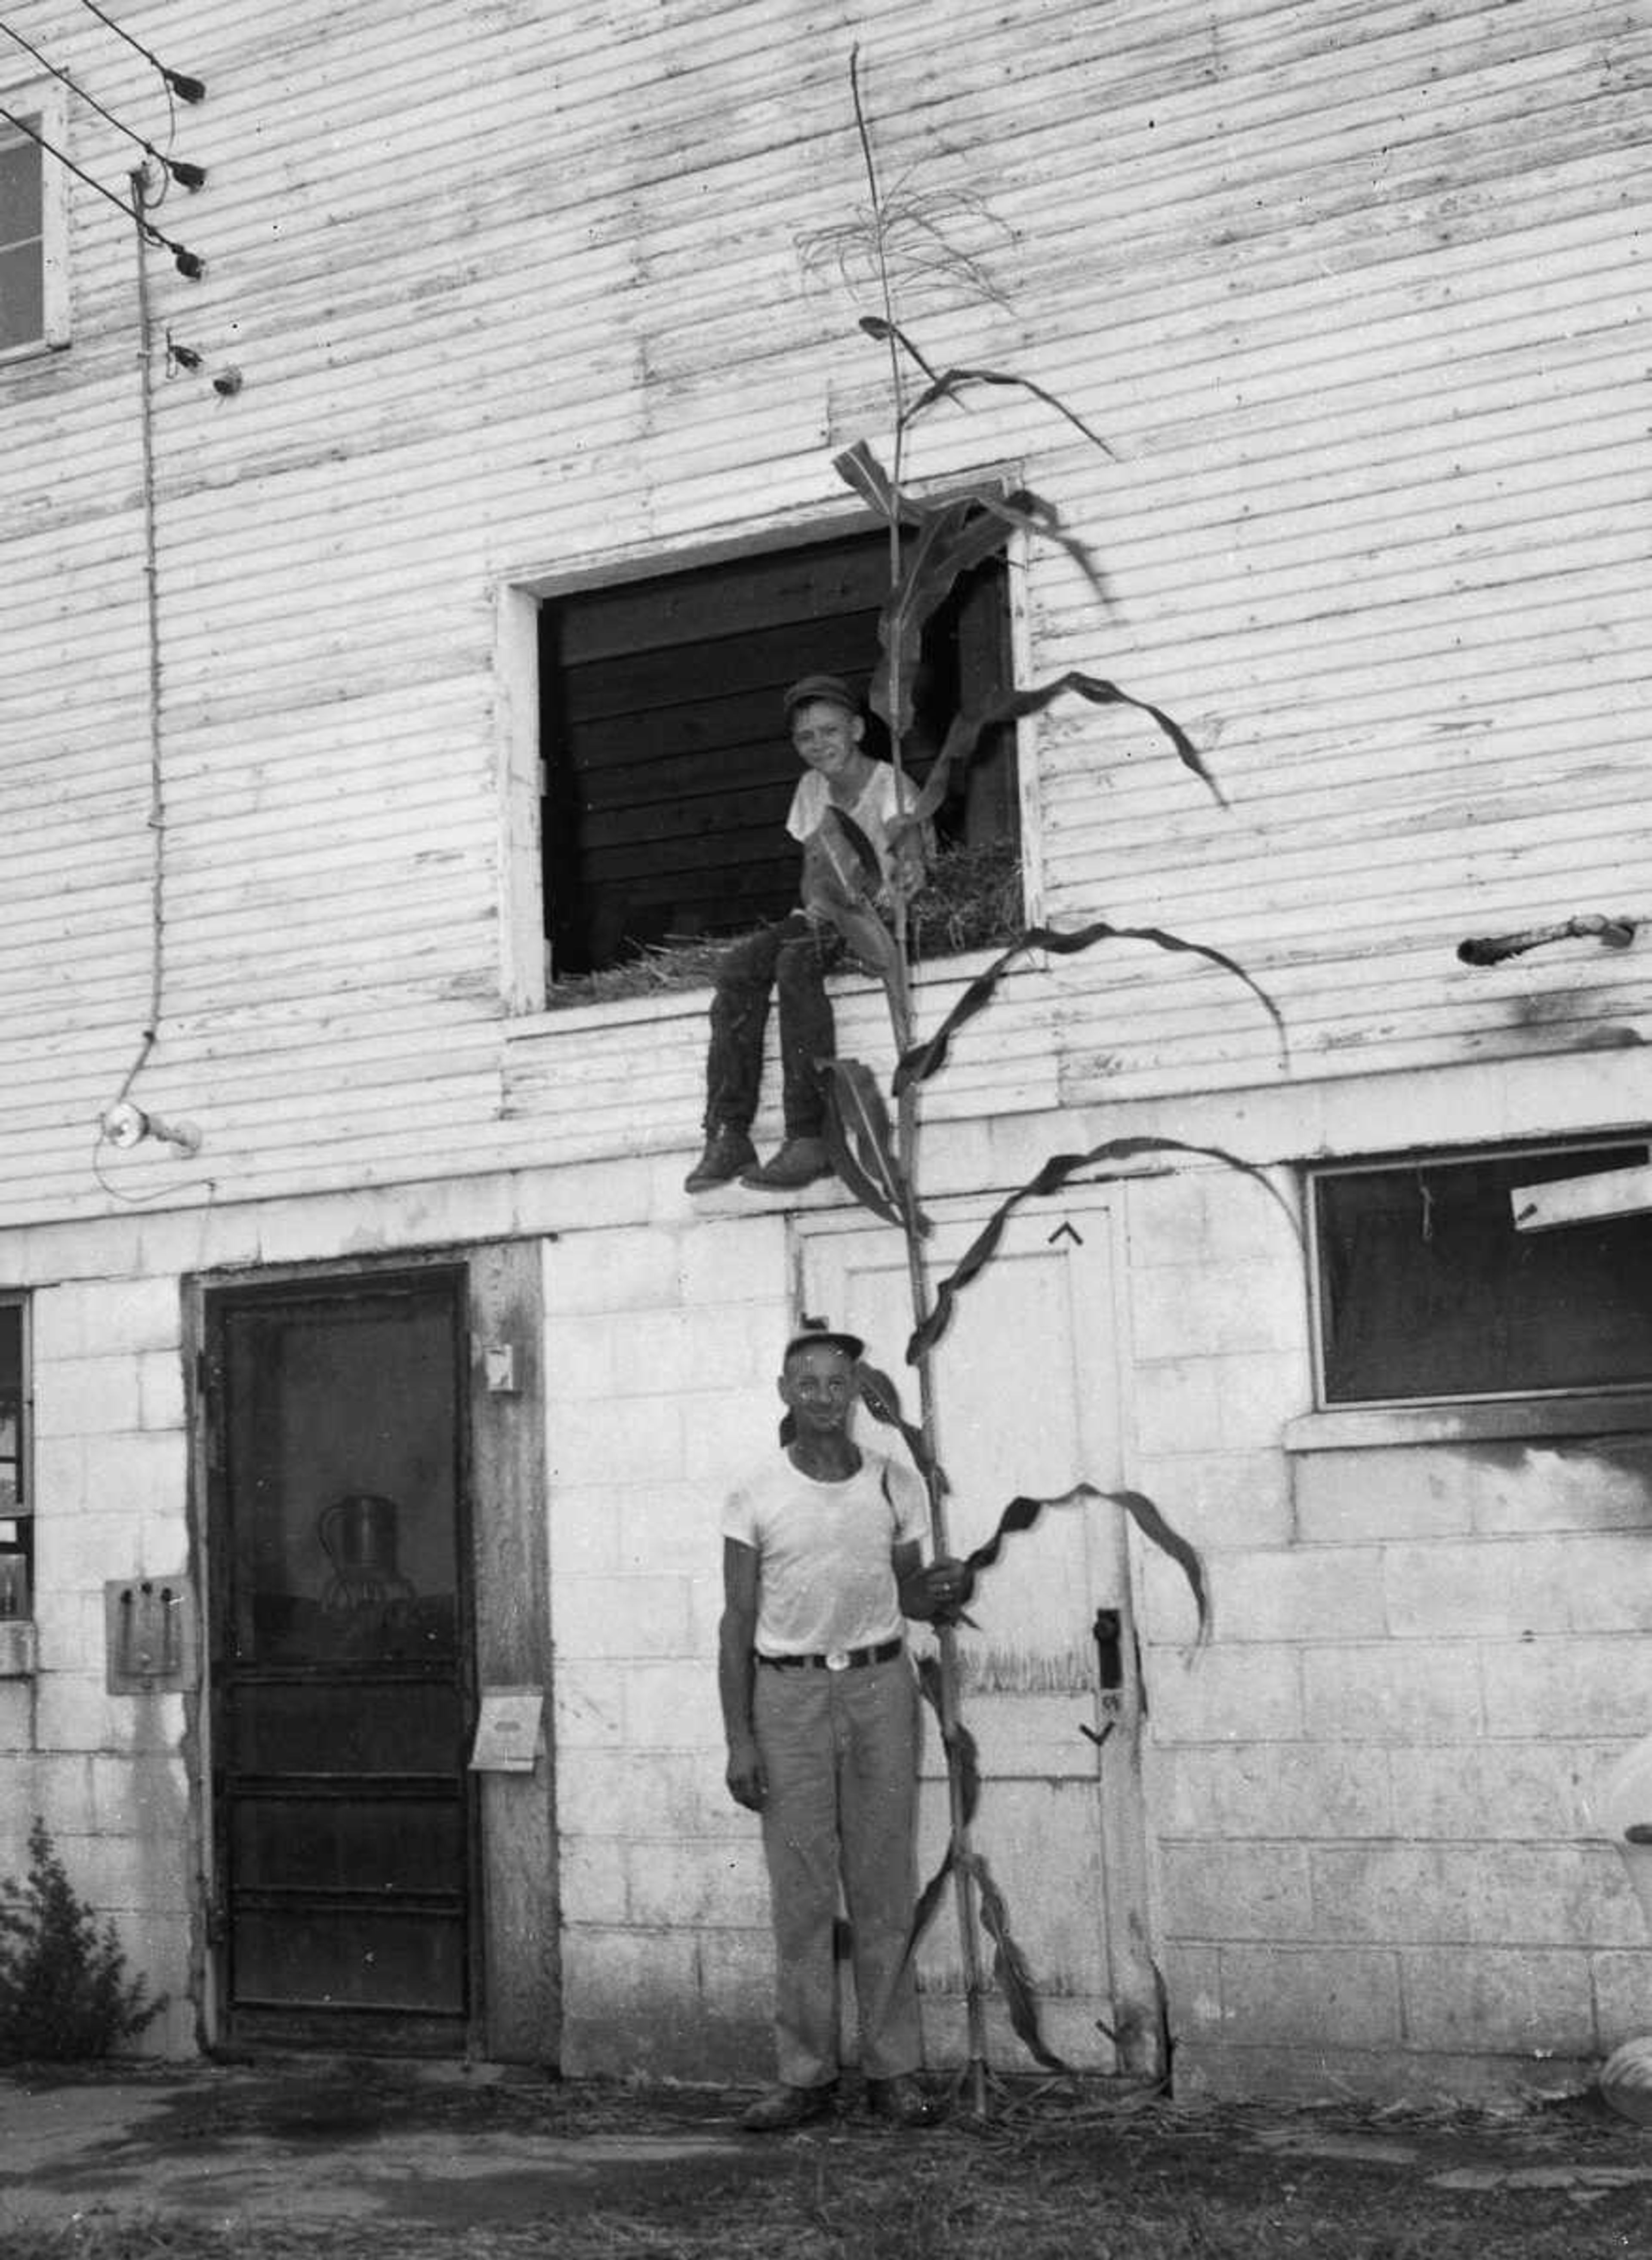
(515, 1992)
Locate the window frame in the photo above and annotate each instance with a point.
(524, 934)
(1482, 1410)
(43, 105)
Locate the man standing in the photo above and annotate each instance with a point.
(828, 729)
(821, 1560)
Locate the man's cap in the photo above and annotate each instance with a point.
(829, 689)
(824, 1337)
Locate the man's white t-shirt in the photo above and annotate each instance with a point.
(824, 1576)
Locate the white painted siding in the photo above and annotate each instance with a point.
(1353, 293)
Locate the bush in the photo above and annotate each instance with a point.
(64, 1993)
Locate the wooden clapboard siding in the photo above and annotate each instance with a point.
(1352, 292)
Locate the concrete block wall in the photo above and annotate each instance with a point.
(1377, 1868)
(662, 1344)
(105, 1772)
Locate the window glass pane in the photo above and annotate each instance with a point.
(19, 188)
(22, 296)
(1428, 1292)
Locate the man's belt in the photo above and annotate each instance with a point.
(837, 1659)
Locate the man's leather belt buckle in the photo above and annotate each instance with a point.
(837, 1659)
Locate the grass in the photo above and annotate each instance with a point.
(1157, 2182)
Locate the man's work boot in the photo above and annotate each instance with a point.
(799, 1161)
(728, 1152)
(901, 2100)
(788, 2106)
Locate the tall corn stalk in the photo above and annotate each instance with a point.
(875, 1154)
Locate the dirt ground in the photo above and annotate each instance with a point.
(346, 2159)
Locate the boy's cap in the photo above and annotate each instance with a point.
(819, 1337)
(831, 689)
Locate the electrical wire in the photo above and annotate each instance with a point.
(187, 175)
(187, 88)
(188, 262)
(157, 817)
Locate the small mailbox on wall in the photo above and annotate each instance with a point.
(150, 1627)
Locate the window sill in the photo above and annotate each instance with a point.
(1361, 1427)
(18, 1658)
(935, 973)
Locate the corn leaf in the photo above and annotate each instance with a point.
(859, 468)
(865, 855)
(963, 1762)
(924, 1059)
(826, 897)
(967, 730)
(881, 1400)
(952, 382)
(1021, 1513)
(862, 1143)
(1008, 1965)
(1054, 1173)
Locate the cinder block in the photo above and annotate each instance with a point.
(140, 1476)
(76, 1552)
(85, 1396)
(620, 1268)
(1603, 1581)
(1216, 1891)
(1177, 1404)
(1589, 1484)
(612, 1971)
(1480, 1790)
(726, 1348)
(73, 1713)
(1273, 1789)
(589, 1706)
(1475, 1586)
(737, 1260)
(1186, 1310)
(726, 1433)
(1491, 1998)
(177, 1241)
(583, 1357)
(670, 1528)
(1498, 1894)
(1622, 1980)
(672, 1706)
(1260, 1390)
(1410, 1692)
(109, 1317)
(308, 1228)
(161, 1393)
(105, 1249)
(1325, 1592)
(1220, 1694)
(1221, 1499)
(1299, 1995)
(59, 1475)
(614, 1617)
(707, 1885)
(1345, 1498)
(1561, 1686)
(450, 1210)
(1169, 1222)
(632, 1796)
(590, 1444)
(585, 1530)
(592, 1880)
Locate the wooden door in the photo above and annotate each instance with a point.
(340, 1678)
(1028, 1404)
